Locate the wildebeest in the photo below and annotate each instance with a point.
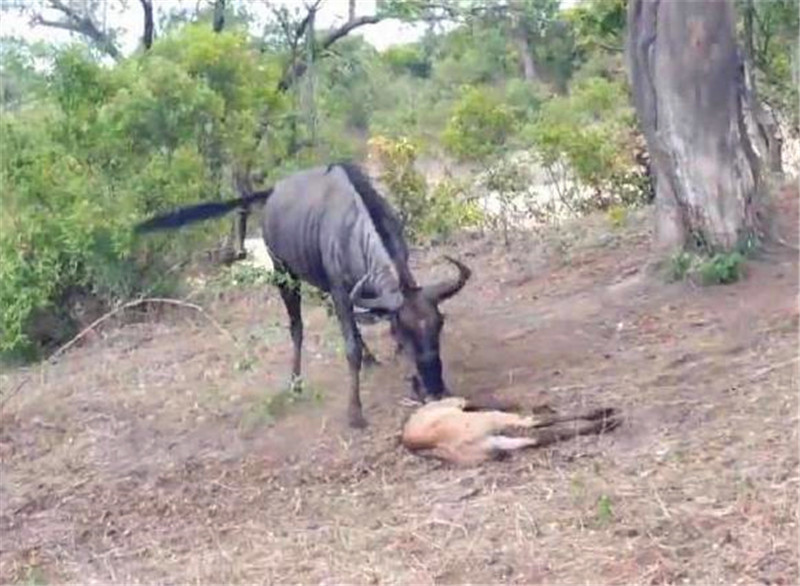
(329, 227)
(457, 431)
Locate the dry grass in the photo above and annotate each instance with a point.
(146, 456)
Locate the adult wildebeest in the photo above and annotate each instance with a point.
(329, 227)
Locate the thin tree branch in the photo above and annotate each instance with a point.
(299, 68)
(81, 24)
(135, 303)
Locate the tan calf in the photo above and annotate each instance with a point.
(447, 430)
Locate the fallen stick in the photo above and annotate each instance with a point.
(130, 304)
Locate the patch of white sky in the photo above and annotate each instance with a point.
(127, 19)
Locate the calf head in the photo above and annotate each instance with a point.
(417, 325)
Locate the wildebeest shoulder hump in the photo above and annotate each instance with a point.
(386, 223)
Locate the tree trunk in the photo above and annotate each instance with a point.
(219, 15)
(147, 32)
(525, 54)
(689, 92)
(764, 130)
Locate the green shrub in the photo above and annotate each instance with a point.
(427, 213)
(722, 268)
(407, 59)
(679, 265)
(479, 126)
(591, 132)
(718, 269)
(113, 146)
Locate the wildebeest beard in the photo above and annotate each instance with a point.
(430, 371)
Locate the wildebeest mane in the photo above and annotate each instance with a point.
(383, 217)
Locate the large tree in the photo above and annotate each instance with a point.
(689, 89)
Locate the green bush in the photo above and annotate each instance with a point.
(479, 125)
(718, 269)
(427, 214)
(407, 59)
(592, 132)
(111, 147)
(722, 269)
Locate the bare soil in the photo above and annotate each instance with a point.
(153, 453)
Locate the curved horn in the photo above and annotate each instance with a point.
(355, 294)
(381, 302)
(446, 289)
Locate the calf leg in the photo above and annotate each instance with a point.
(353, 348)
(292, 300)
(502, 443)
(489, 422)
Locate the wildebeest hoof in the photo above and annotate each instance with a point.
(357, 420)
(370, 361)
(409, 402)
(295, 384)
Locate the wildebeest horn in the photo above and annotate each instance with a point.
(376, 303)
(446, 289)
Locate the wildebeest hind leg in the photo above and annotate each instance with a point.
(291, 298)
(353, 348)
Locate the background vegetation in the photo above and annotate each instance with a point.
(509, 97)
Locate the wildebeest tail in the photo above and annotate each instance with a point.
(198, 212)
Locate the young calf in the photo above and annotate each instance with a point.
(448, 430)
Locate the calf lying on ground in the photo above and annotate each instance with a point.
(449, 430)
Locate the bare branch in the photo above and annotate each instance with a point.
(81, 24)
(348, 27)
(120, 308)
(299, 68)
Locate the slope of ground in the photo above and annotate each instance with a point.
(157, 454)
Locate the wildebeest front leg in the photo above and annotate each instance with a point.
(292, 300)
(353, 348)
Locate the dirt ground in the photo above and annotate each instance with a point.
(154, 453)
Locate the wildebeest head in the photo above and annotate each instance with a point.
(417, 326)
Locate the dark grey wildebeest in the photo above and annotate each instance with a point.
(329, 227)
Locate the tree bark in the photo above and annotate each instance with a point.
(147, 33)
(525, 54)
(219, 15)
(764, 130)
(689, 92)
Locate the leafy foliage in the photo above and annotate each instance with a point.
(426, 213)
(771, 35)
(479, 126)
(717, 269)
(109, 147)
(592, 131)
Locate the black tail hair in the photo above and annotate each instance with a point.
(201, 211)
